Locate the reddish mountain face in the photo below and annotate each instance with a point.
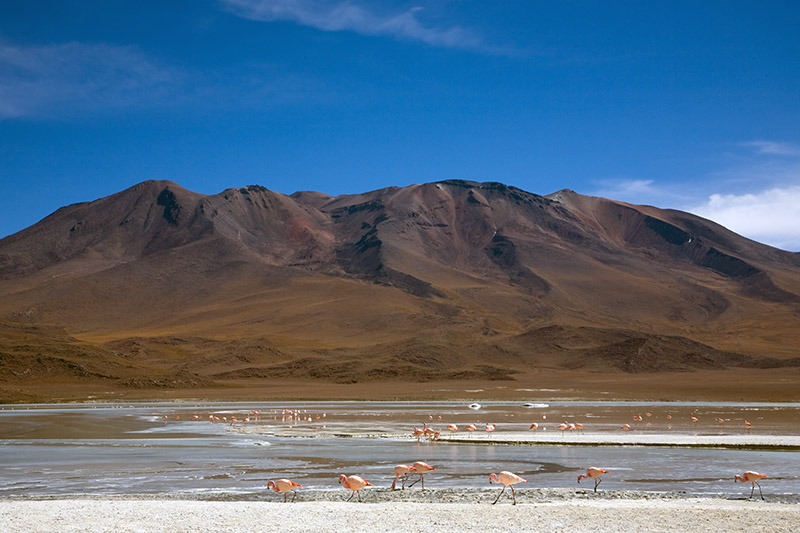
(447, 280)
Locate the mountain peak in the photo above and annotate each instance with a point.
(462, 267)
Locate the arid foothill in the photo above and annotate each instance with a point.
(411, 292)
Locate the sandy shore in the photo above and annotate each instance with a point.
(473, 513)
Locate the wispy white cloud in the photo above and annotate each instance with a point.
(772, 147)
(770, 216)
(75, 78)
(636, 191)
(341, 15)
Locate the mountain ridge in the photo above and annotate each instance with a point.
(455, 268)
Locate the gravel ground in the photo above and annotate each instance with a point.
(439, 510)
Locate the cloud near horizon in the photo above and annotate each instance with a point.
(346, 16)
(76, 77)
(771, 216)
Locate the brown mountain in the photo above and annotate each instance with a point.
(158, 287)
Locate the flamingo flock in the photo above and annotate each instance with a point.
(508, 479)
(403, 472)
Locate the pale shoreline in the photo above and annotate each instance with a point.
(440, 510)
(540, 438)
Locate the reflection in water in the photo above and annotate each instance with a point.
(175, 448)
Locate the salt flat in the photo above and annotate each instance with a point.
(574, 515)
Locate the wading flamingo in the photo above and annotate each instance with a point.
(593, 472)
(354, 483)
(534, 426)
(508, 479)
(472, 427)
(753, 478)
(431, 433)
(452, 427)
(285, 486)
(401, 472)
(420, 468)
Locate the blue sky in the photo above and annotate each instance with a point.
(686, 105)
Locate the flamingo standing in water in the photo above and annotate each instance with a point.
(285, 486)
(420, 468)
(593, 472)
(355, 484)
(753, 478)
(401, 472)
(508, 479)
(471, 427)
(534, 426)
(452, 427)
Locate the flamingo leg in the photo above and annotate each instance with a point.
(285, 494)
(423, 481)
(759, 490)
(513, 495)
(498, 496)
(753, 489)
(405, 478)
(597, 481)
(295, 496)
(351, 496)
(359, 495)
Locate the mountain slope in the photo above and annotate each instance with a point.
(434, 281)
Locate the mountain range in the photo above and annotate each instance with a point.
(161, 288)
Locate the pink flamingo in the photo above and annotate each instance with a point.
(471, 427)
(355, 484)
(593, 472)
(534, 426)
(431, 433)
(418, 433)
(625, 427)
(452, 427)
(490, 427)
(753, 478)
(285, 486)
(420, 468)
(401, 472)
(508, 479)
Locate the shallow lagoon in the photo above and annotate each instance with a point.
(156, 448)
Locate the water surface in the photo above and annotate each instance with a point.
(175, 448)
